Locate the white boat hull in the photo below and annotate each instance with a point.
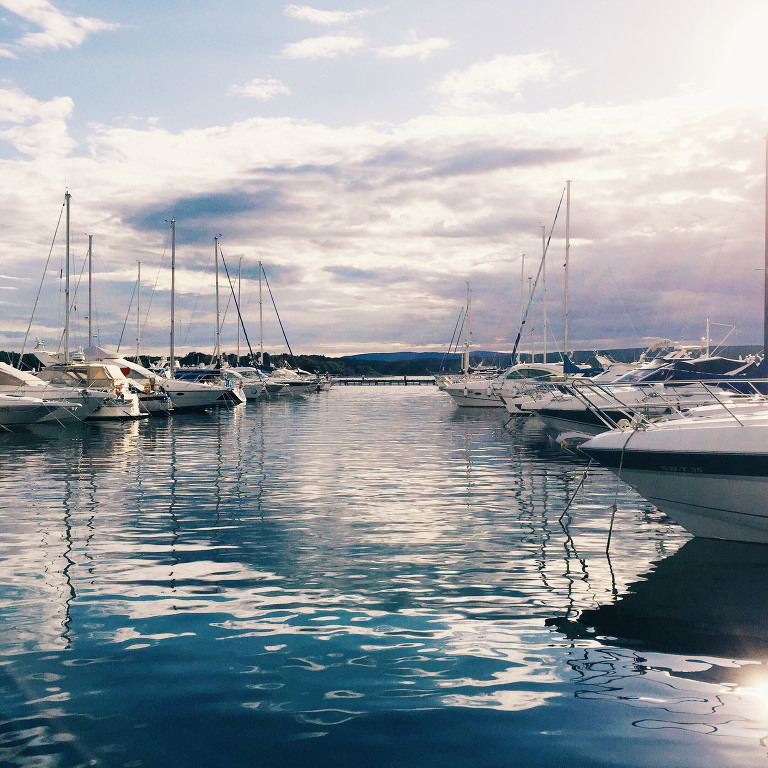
(708, 470)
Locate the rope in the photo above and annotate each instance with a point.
(26, 335)
(127, 312)
(278, 314)
(239, 316)
(578, 488)
(616, 496)
(536, 281)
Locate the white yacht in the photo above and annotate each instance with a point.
(707, 469)
(144, 383)
(121, 404)
(252, 380)
(17, 410)
(287, 382)
(80, 401)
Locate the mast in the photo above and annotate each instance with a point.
(261, 322)
(765, 294)
(138, 315)
(544, 287)
(530, 298)
(522, 293)
(567, 250)
(67, 197)
(217, 343)
(239, 304)
(172, 362)
(467, 331)
(90, 291)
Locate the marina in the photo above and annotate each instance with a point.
(363, 576)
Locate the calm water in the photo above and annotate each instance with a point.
(367, 577)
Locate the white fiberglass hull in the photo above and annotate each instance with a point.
(709, 473)
(190, 395)
(18, 411)
(120, 408)
(474, 395)
(80, 403)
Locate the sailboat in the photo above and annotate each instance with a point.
(63, 369)
(190, 391)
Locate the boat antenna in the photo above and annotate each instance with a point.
(535, 282)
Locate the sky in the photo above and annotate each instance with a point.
(378, 157)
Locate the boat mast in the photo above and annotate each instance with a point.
(138, 315)
(467, 331)
(522, 293)
(90, 291)
(765, 294)
(544, 287)
(67, 197)
(261, 322)
(530, 299)
(172, 362)
(239, 278)
(567, 251)
(216, 345)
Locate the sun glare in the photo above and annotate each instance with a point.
(743, 60)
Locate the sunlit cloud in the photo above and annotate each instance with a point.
(260, 89)
(466, 89)
(326, 47)
(37, 127)
(323, 18)
(415, 48)
(56, 29)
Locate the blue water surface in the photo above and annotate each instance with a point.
(369, 576)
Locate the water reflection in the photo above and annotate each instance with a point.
(301, 570)
(689, 635)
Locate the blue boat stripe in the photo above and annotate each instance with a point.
(683, 462)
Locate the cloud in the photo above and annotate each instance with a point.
(667, 202)
(38, 127)
(467, 89)
(326, 47)
(323, 18)
(415, 48)
(261, 89)
(57, 30)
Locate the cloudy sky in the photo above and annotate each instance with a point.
(378, 156)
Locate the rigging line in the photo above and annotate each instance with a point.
(37, 298)
(536, 281)
(128, 312)
(616, 496)
(445, 354)
(278, 314)
(154, 287)
(237, 306)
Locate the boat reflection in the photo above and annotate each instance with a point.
(709, 598)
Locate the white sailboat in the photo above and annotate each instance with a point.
(61, 369)
(473, 390)
(188, 394)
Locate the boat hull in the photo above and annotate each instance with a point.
(713, 481)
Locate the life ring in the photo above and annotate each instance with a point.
(118, 388)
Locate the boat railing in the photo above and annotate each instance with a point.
(638, 405)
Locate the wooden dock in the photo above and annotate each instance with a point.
(375, 381)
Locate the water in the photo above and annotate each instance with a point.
(366, 577)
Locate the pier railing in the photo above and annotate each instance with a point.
(373, 381)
